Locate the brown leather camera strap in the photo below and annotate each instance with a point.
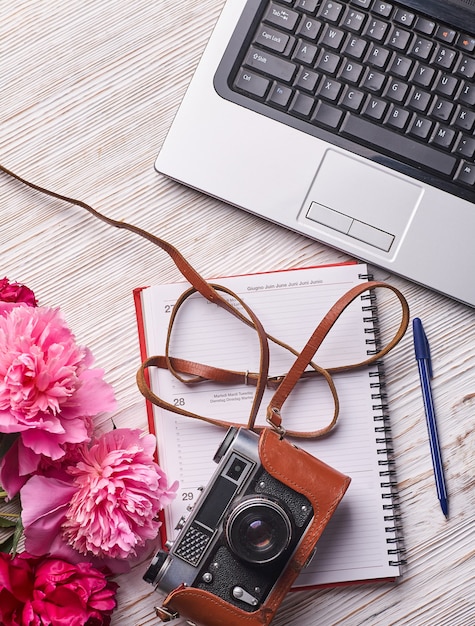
(191, 372)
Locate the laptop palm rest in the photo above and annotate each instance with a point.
(361, 201)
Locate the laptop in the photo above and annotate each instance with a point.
(351, 122)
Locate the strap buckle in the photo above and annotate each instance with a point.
(165, 615)
(274, 419)
(274, 381)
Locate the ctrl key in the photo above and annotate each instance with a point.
(251, 83)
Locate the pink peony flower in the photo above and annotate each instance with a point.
(120, 492)
(14, 292)
(105, 507)
(45, 591)
(40, 366)
(48, 392)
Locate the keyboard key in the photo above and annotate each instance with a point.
(332, 38)
(280, 95)
(447, 85)
(466, 147)
(399, 39)
(279, 16)
(464, 119)
(423, 75)
(375, 108)
(331, 11)
(362, 3)
(419, 100)
(352, 99)
(330, 89)
(442, 109)
(326, 115)
(328, 62)
(271, 38)
(309, 6)
(382, 8)
(270, 64)
(378, 56)
(377, 30)
(309, 28)
(374, 81)
(445, 34)
(305, 52)
(421, 49)
(306, 79)
(444, 137)
(403, 17)
(397, 90)
(354, 21)
(401, 66)
(466, 68)
(351, 72)
(252, 83)
(416, 152)
(466, 174)
(444, 58)
(467, 94)
(466, 42)
(421, 127)
(355, 47)
(398, 118)
(302, 105)
(425, 26)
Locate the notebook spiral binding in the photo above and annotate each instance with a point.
(382, 430)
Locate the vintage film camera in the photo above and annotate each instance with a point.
(253, 529)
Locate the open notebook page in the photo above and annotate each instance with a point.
(289, 304)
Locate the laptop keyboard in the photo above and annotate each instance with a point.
(366, 73)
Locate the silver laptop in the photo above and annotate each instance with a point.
(351, 122)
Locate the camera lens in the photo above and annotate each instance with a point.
(258, 530)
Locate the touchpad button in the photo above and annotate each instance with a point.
(350, 226)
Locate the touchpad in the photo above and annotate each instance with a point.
(357, 199)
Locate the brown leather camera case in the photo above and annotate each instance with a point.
(322, 485)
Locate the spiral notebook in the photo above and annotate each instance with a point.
(362, 542)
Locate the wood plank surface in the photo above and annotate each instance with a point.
(88, 91)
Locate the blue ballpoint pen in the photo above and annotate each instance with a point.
(421, 348)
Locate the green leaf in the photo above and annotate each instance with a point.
(8, 522)
(17, 536)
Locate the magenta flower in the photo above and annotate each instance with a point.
(15, 292)
(48, 392)
(40, 591)
(105, 507)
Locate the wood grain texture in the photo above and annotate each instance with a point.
(88, 91)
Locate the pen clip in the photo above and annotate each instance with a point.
(421, 344)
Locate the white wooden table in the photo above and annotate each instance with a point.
(87, 92)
